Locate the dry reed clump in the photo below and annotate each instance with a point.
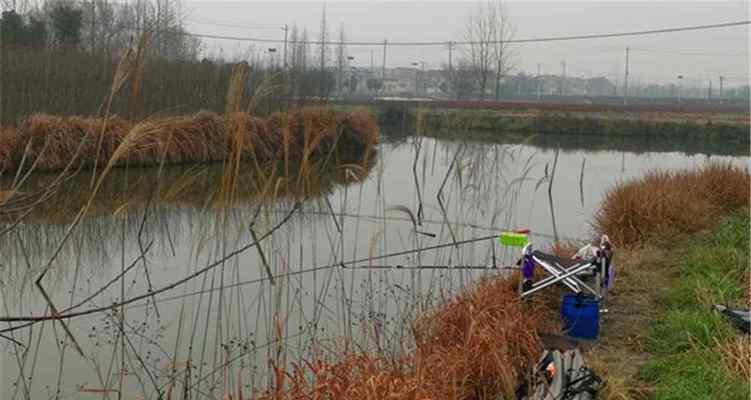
(304, 133)
(194, 138)
(480, 345)
(53, 141)
(8, 138)
(359, 130)
(316, 131)
(200, 137)
(672, 203)
(258, 143)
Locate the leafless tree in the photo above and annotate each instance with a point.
(488, 51)
(323, 49)
(459, 81)
(341, 59)
(503, 33)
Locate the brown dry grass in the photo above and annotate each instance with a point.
(736, 353)
(479, 345)
(53, 140)
(298, 135)
(666, 204)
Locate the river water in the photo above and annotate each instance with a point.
(349, 263)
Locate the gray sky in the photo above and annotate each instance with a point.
(698, 55)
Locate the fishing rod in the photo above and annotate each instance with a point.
(421, 267)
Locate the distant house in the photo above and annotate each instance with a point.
(395, 86)
(572, 86)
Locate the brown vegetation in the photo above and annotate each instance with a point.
(479, 345)
(736, 355)
(672, 203)
(53, 141)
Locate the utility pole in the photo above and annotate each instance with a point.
(286, 29)
(615, 87)
(722, 81)
(417, 77)
(709, 91)
(383, 65)
(372, 63)
(539, 86)
(563, 78)
(451, 63)
(625, 81)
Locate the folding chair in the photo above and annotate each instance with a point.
(566, 271)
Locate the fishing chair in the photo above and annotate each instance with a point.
(569, 272)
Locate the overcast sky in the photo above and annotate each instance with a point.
(698, 55)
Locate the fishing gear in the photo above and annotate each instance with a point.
(420, 267)
(569, 271)
(740, 318)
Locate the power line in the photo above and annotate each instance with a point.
(465, 43)
(688, 53)
(231, 25)
(635, 33)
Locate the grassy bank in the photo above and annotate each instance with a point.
(696, 353)
(684, 246)
(49, 143)
(722, 133)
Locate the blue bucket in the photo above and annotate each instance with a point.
(581, 316)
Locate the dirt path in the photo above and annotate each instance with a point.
(643, 277)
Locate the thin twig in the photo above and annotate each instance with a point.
(550, 194)
(581, 182)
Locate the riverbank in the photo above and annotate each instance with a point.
(661, 338)
(710, 133)
(52, 143)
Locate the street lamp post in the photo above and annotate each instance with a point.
(272, 50)
(421, 68)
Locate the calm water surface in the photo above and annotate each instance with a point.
(231, 321)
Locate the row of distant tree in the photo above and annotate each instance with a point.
(100, 26)
(60, 57)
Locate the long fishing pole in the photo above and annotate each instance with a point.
(419, 267)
